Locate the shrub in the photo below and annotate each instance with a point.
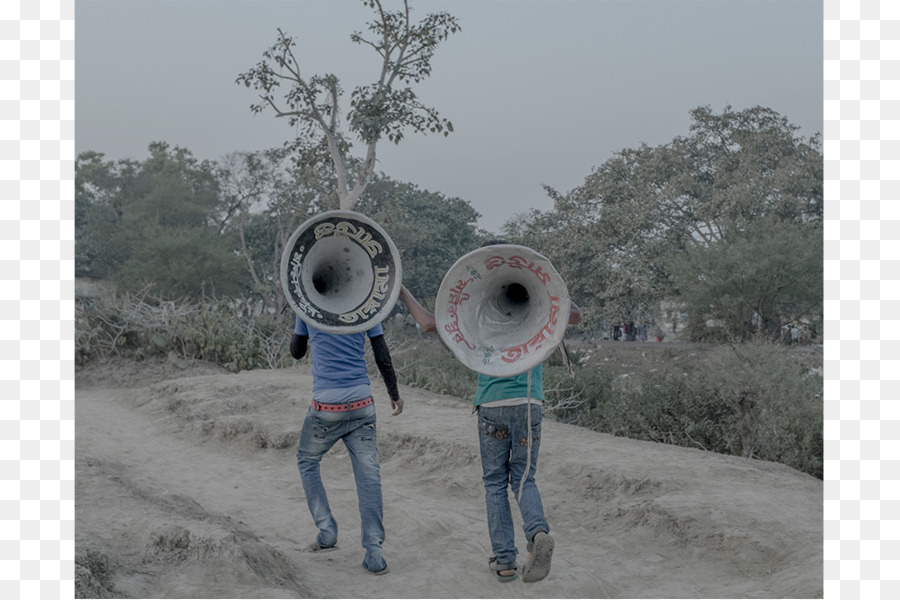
(748, 400)
(673, 410)
(587, 399)
(778, 405)
(136, 326)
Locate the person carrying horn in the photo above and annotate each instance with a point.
(343, 409)
(503, 405)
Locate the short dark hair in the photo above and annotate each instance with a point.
(496, 242)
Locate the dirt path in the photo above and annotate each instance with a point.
(188, 488)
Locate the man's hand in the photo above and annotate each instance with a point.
(397, 405)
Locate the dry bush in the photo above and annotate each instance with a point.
(136, 325)
(749, 399)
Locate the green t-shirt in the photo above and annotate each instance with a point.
(504, 388)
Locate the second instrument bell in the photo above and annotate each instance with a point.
(502, 309)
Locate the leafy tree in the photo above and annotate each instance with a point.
(183, 262)
(618, 238)
(387, 107)
(766, 276)
(155, 223)
(97, 213)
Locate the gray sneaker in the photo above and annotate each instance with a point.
(540, 552)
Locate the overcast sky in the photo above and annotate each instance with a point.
(539, 92)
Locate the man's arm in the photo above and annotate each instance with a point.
(299, 344)
(424, 318)
(386, 368)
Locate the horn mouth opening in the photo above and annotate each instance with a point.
(328, 280)
(506, 314)
(512, 299)
(338, 275)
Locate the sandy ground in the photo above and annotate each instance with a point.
(186, 487)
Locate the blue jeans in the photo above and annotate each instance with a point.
(321, 430)
(503, 437)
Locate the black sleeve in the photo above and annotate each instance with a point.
(298, 345)
(385, 367)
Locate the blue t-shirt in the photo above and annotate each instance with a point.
(507, 388)
(338, 360)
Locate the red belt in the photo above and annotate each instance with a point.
(344, 406)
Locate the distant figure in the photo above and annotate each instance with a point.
(659, 334)
(795, 335)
